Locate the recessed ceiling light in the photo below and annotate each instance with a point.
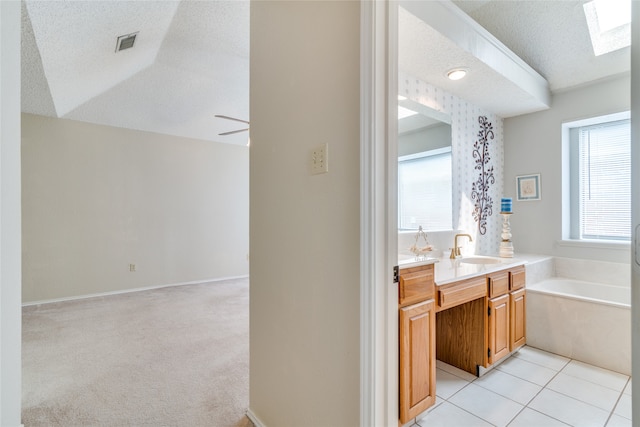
(457, 73)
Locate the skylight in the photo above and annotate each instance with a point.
(609, 24)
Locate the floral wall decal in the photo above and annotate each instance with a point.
(480, 189)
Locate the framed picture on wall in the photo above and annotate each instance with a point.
(528, 187)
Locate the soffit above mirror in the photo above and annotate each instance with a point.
(435, 37)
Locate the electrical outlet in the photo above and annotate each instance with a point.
(320, 159)
(132, 268)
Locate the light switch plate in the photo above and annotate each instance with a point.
(320, 159)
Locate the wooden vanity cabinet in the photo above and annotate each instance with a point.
(480, 319)
(499, 328)
(505, 312)
(461, 324)
(417, 315)
(517, 302)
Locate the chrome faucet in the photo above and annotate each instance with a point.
(455, 251)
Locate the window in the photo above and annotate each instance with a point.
(424, 190)
(600, 177)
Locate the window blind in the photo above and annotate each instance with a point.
(424, 192)
(605, 181)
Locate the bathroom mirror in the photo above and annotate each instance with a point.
(424, 168)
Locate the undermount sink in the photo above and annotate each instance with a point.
(480, 260)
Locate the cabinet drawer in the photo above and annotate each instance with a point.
(498, 283)
(518, 278)
(416, 284)
(461, 292)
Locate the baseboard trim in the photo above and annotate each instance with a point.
(126, 291)
(254, 419)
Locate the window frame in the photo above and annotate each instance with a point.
(571, 227)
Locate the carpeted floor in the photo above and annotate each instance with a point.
(176, 356)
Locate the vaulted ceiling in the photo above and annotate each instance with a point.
(190, 60)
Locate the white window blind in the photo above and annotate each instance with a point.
(424, 191)
(605, 181)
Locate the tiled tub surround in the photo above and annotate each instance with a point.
(611, 273)
(582, 312)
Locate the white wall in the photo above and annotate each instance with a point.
(10, 313)
(305, 240)
(98, 198)
(464, 134)
(533, 144)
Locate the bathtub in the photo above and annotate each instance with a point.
(589, 322)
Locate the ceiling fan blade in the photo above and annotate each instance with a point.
(233, 131)
(231, 118)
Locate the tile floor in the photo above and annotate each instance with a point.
(531, 388)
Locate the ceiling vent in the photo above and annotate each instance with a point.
(126, 41)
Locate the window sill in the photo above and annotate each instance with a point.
(596, 244)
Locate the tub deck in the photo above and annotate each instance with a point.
(619, 296)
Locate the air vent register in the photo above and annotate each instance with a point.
(126, 41)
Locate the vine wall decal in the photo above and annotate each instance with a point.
(480, 189)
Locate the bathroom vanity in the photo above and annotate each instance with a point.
(467, 313)
(417, 321)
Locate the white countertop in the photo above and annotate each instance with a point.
(449, 270)
(408, 261)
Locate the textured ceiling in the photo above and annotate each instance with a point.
(551, 36)
(191, 60)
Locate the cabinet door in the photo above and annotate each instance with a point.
(518, 322)
(417, 359)
(499, 337)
